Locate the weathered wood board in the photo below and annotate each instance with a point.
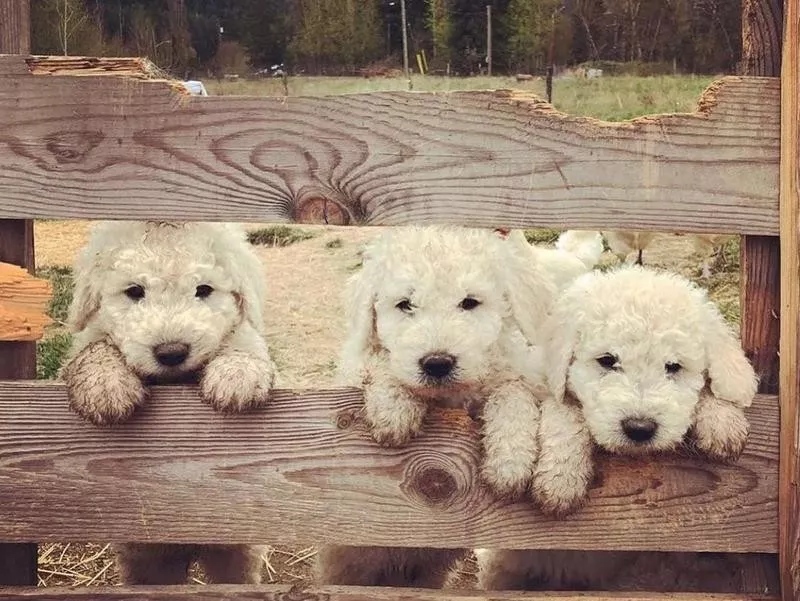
(114, 144)
(335, 593)
(305, 468)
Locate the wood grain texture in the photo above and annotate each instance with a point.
(305, 470)
(17, 361)
(279, 592)
(23, 304)
(15, 26)
(119, 147)
(760, 286)
(762, 26)
(790, 306)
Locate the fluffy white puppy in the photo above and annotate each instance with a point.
(443, 315)
(162, 302)
(637, 361)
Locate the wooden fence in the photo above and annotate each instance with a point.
(106, 138)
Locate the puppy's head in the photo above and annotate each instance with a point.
(635, 349)
(166, 294)
(438, 302)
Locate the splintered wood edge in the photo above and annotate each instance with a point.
(143, 69)
(282, 592)
(26, 319)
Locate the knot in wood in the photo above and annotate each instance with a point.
(72, 146)
(346, 418)
(435, 485)
(321, 205)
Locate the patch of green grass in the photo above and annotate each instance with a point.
(544, 236)
(50, 354)
(62, 284)
(335, 243)
(611, 98)
(278, 235)
(51, 350)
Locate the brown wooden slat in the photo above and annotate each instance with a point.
(790, 306)
(305, 471)
(279, 592)
(15, 26)
(116, 147)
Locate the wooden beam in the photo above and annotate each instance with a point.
(17, 359)
(282, 592)
(114, 146)
(790, 306)
(15, 28)
(760, 255)
(305, 467)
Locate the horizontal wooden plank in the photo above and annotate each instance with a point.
(129, 147)
(279, 592)
(305, 471)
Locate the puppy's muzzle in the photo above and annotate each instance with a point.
(639, 430)
(437, 366)
(171, 354)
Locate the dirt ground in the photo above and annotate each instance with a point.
(305, 329)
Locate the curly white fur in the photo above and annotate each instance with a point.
(468, 295)
(630, 344)
(634, 344)
(144, 290)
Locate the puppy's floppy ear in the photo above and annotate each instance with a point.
(560, 337)
(730, 375)
(240, 262)
(359, 300)
(86, 295)
(529, 288)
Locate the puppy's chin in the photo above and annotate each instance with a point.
(446, 393)
(634, 449)
(173, 376)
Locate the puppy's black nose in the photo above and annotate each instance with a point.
(171, 354)
(639, 429)
(437, 365)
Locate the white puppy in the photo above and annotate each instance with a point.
(443, 315)
(637, 361)
(164, 302)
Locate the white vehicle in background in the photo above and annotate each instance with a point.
(195, 87)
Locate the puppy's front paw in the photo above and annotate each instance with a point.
(237, 382)
(509, 478)
(392, 420)
(559, 495)
(721, 432)
(100, 387)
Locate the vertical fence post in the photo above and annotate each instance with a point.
(760, 255)
(17, 359)
(789, 497)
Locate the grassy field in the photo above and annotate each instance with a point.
(608, 98)
(304, 315)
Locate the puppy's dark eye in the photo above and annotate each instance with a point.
(608, 361)
(405, 306)
(469, 303)
(203, 291)
(672, 368)
(135, 293)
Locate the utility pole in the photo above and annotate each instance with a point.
(404, 25)
(489, 39)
